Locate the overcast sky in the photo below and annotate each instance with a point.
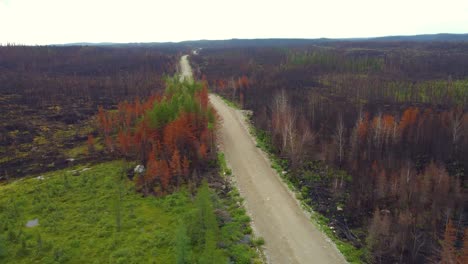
(66, 21)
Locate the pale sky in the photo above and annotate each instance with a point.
(65, 21)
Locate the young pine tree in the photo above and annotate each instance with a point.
(182, 247)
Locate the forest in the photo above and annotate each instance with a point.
(373, 134)
(48, 95)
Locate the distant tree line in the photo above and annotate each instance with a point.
(47, 75)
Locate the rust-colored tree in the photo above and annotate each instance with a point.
(124, 140)
(168, 133)
(175, 166)
(90, 144)
(202, 151)
(186, 167)
(151, 173)
(448, 251)
(165, 174)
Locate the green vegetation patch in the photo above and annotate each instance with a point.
(97, 217)
(231, 103)
(82, 149)
(225, 170)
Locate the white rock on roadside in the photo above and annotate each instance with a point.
(139, 169)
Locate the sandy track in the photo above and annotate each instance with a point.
(185, 70)
(289, 235)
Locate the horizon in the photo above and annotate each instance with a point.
(56, 22)
(231, 39)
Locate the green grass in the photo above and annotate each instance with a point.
(83, 220)
(245, 253)
(225, 170)
(82, 149)
(351, 253)
(77, 151)
(230, 103)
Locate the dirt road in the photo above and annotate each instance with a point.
(289, 235)
(185, 70)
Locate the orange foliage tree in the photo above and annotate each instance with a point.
(173, 147)
(90, 144)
